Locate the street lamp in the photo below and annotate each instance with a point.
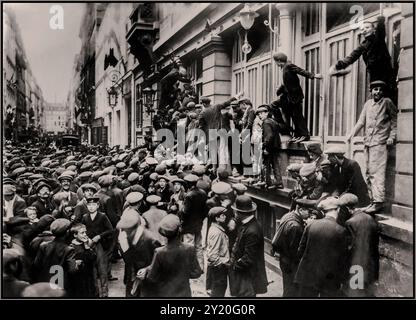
(247, 17)
(112, 96)
(148, 95)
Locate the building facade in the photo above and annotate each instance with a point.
(208, 37)
(56, 117)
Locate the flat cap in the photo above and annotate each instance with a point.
(87, 166)
(175, 179)
(160, 169)
(191, 178)
(134, 161)
(65, 177)
(221, 188)
(216, 211)
(239, 188)
(134, 197)
(198, 169)
(154, 176)
(262, 109)
(377, 83)
(151, 161)
(106, 180)
(205, 100)
(348, 199)
(85, 175)
(129, 219)
(335, 149)
(314, 147)
(164, 178)
(169, 225)
(153, 199)
(42, 185)
(72, 168)
(133, 177)
(329, 203)
(96, 174)
(120, 165)
(307, 203)
(294, 167)
(60, 226)
(307, 169)
(91, 186)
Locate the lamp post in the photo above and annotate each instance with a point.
(247, 17)
(148, 94)
(112, 96)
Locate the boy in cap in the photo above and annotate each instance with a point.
(271, 146)
(323, 252)
(173, 265)
(312, 188)
(379, 118)
(218, 255)
(82, 283)
(292, 94)
(100, 231)
(176, 200)
(137, 249)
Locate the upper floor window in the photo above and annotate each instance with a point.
(341, 13)
(310, 18)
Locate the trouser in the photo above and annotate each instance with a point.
(195, 239)
(294, 111)
(257, 158)
(376, 158)
(290, 288)
(102, 269)
(271, 162)
(217, 280)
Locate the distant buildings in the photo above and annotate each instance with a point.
(56, 118)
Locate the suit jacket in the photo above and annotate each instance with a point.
(101, 226)
(73, 198)
(43, 208)
(247, 261)
(211, 117)
(19, 206)
(324, 255)
(291, 84)
(172, 267)
(349, 178)
(108, 205)
(364, 245)
(375, 54)
(271, 137)
(194, 211)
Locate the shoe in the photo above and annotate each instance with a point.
(375, 207)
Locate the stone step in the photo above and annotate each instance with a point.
(402, 212)
(395, 228)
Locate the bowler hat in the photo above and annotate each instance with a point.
(244, 204)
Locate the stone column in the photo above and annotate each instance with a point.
(286, 29)
(216, 65)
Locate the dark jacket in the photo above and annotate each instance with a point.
(19, 206)
(43, 208)
(108, 205)
(12, 287)
(324, 255)
(211, 117)
(172, 267)
(287, 239)
(291, 84)
(100, 226)
(364, 245)
(375, 54)
(167, 87)
(139, 255)
(194, 211)
(349, 178)
(271, 137)
(248, 276)
(54, 253)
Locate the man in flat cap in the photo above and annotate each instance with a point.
(346, 176)
(379, 120)
(292, 93)
(153, 216)
(247, 266)
(137, 246)
(56, 253)
(65, 180)
(173, 265)
(13, 205)
(43, 201)
(271, 146)
(286, 242)
(323, 252)
(311, 187)
(176, 200)
(101, 232)
(364, 251)
(218, 254)
(163, 191)
(192, 215)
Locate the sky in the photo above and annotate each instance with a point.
(49, 52)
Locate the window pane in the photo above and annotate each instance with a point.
(339, 13)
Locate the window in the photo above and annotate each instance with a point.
(238, 55)
(310, 18)
(312, 91)
(139, 108)
(339, 13)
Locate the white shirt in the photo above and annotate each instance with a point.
(8, 213)
(93, 215)
(248, 219)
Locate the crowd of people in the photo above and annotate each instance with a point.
(69, 214)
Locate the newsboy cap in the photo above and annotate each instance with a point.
(314, 147)
(377, 83)
(329, 203)
(169, 225)
(335, 149)
(60, 226)
(221, 188)
(307, 169)
(348, 199)
(216, 212)
(153, 199)
(134, 197)
(106, 180)
(239, 188)
(129, 219)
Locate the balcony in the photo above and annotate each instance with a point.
(142, 32)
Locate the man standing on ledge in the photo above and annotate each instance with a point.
(292, 95)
